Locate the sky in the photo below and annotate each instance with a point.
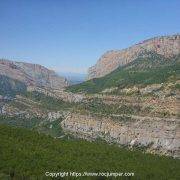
(71, 35)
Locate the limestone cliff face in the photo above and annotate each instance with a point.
(32, 74)
(156, 134)
(167, 46)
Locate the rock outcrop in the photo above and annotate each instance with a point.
(167, 46)
(158, 135)
(31, 74)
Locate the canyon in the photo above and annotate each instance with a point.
(132, 102)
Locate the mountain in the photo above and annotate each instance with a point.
(167, 46)
(15, 74)
(135, 106)
(132, 100)
(9, 86)
(149, 68)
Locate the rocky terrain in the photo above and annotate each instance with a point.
(146, 117)
(136, 106)
(149, 120)
(29, 75)
(167, 46)
(157, 135)
(136, 102)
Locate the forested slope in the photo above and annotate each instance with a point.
(27, 154)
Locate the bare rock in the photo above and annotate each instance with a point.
(32, 74)
(158, 135)
(167, 46)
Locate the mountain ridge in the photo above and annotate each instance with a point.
(31, 74)
(149, 68)
(136, 105)
(111, 60)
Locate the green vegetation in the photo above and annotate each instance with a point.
(41, 125)
(10, 86)
(18, 121)
(97, 107)
(53, 128)
(47, 102)
(27, 154)
(177, 86)
(153, 69)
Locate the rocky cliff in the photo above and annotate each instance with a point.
(167, 46)
(158, 135)
(31, 74)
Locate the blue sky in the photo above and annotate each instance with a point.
(70, 35)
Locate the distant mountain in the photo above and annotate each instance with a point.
(17, 76)
(74, 78)
(167, 46)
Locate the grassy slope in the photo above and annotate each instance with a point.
(26, 154)
(144, 70)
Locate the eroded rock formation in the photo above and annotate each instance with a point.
(159, 135)
(167, 46)
(32, 74)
